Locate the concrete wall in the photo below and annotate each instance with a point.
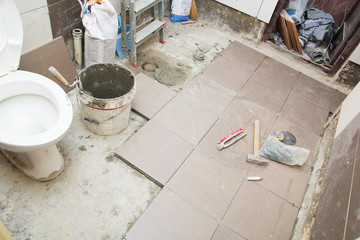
(36, 23)
(338, 212)
(260, 9)
(349, 109)
(355, 56)
(221, 14)
(338, 215)
(44, 20)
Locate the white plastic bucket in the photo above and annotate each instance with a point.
(105, 92)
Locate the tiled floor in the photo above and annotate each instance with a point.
(155, 151)
(205, 191)
(206, 183)
(143, 93)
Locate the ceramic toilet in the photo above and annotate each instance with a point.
(35, 113)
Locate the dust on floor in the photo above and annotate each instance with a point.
(99, 196)
(182, 42)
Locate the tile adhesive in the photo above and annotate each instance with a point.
(105, 93)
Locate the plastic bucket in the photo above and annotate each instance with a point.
(104, 93)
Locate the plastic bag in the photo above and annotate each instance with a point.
(101, 28)
(296, 9)
(180, 10)
(275, 150)
(100, 21)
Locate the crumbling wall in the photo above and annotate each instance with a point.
(218, 13)
(349, 75)
(240, 22)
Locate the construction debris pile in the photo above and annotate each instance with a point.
(305, 30)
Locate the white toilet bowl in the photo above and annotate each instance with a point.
(35, 113)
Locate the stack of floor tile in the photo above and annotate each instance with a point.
(206, 194)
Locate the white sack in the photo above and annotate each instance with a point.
(100, 21)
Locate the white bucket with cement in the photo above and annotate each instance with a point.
(105, 92)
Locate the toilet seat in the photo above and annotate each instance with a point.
(23, 82)
(11, 37)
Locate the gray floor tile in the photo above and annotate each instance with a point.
(244, 112)
(271, 84)
(171, 217)
(225, 233)
(276, 73)
(338, 98)
(265, 93)
(150, 96)
(304, 113)
(256, 213)
(53, 53)
(243, 56)
(155, 151)
(287, 182)
(208, 94)
(187, 119)
(228, 74)
(206, 183)
(235, 66)
(314, 91)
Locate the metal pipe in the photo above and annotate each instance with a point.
(77, 35)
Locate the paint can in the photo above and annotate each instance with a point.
(105, 92)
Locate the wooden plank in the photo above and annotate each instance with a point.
(294, 37)
(4, 234)
(332, 116)
(54, 53)
(281, 24)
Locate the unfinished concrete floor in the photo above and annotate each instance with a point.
(98, 196)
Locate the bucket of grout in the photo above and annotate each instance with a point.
(104, 93)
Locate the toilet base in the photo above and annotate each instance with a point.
(42, 165)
